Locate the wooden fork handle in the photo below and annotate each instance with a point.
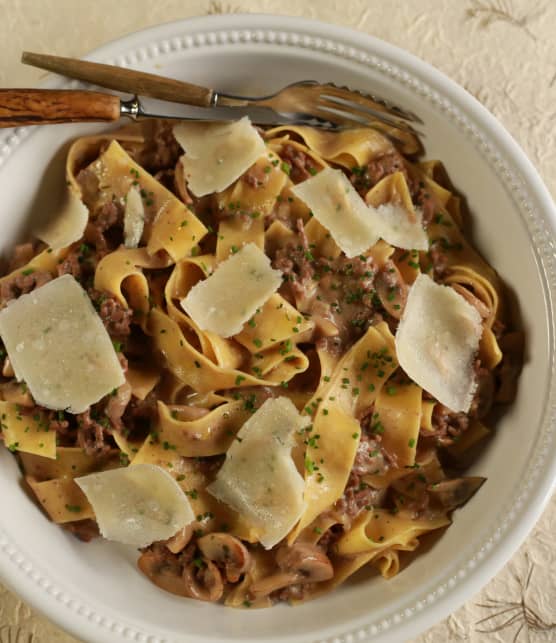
(123, 80)
(43, 106)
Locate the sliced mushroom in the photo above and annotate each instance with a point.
(224, 549)
(308, 561)
(203, 581)
(453, 493)
(301, 563)
(179, 541)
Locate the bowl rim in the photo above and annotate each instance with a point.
(527, 189)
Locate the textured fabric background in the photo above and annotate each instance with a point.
(503, 52)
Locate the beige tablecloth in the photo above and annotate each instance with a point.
(502, 51)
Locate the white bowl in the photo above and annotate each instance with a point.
(93, 590)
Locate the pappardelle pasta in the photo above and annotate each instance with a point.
(262, 357)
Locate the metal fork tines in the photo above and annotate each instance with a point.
(341, 106)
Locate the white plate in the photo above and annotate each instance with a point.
(93, 590)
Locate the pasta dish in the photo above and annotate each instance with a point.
(264, 358)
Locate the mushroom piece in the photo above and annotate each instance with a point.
(308, 561)
(179, 541)
(453, 493)
(224, 549)
(301, 563)
(202, 580)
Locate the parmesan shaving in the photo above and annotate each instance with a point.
(227, 299)
(58, 346)
(134, 218)
(437, 340)
(137, 505)
(400, 228)
(259, 478)
(217, 154)
(336, 204)
(354, 225)
(68, 225)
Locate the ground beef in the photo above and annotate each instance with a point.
(302, 166)
(423, 199)
(484, 394)
(23, 283)
(117, 404)
(140, 416)
(330, 537)
(338, 294)
(255, 177)
(81, 263)
(358, 495)
(370, 458)
(107, 218)
(85, 530)
(296, 262)
(21, 255)
(108, 215)
(439, 259)
(91, 435)
(447, 425)
(70, 266)
(161, 150)
(365, 177)
(115, 317)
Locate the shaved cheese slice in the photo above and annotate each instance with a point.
(58, 346)
(134, 218)
(259, 478)
(137, 505)
(400, 228)
(437, 340)
(354, 225)
(68, 225)
(223, 302)
(217, 154)
(336, 204)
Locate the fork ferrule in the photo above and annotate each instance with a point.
(130, 108)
